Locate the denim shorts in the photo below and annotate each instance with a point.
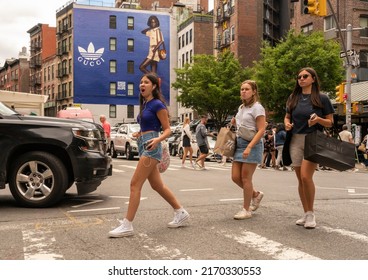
(255, 155)
(156, 153)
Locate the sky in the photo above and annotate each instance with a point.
(19, 16)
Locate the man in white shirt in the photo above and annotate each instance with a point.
(346, 135)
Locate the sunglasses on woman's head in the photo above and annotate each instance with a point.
(303, 76)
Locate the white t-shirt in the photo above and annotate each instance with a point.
(345, 135)
(247, 116)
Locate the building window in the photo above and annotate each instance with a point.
(112, 44)
(130, 67)
(130, 23)
(182, 40)
(363, 22)
(232, 30)
(112, 66)
(363, 57)
(112, 22)
(112, 111)
(307, 28)
(191, 56)
(186, 38)
(112, 88)
(182, 61)
(330, 23)
(130, 89)
(70, 66)
(130, 47)
(179, 41)
(190, 35)
(130, 111)
(44, 75)
(70, 89)
(52, 72)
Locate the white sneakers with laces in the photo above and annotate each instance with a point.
(308, 220)
(243, 214)
(256, 201)
(125, 229)
(180, 216)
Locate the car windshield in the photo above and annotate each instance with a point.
(6, 111)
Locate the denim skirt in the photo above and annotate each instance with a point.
(156, 153)
(255, 155)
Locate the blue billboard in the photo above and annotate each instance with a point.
(113, 48)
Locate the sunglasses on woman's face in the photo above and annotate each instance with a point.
(303, 76)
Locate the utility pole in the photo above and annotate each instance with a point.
(349, 45)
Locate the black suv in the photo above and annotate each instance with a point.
(41, 157)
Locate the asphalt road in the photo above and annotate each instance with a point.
(76, 229)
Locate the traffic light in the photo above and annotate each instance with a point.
(340, 93)
(357, 108)
(315, 7)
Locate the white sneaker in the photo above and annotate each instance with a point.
(310, 221)
(181, 215)
(243, 214)
(192, 165)
(301, 221)
(256, 201)
(125, 229)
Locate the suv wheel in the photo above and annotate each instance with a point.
(38, 179)
(113, 151)
(128, 152)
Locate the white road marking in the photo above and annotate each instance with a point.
(160, 251)
(350, 191)
(195, 190)
(87, 203)
(91, 210)
(231, 199)
(272, 248)
(38, 245)
(127, 166)
(118, 170)
(351, 234)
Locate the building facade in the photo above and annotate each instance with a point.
(14, 75)
(42, 38)
(241, 26)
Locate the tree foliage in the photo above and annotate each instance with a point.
(211, 85)
(276, 71)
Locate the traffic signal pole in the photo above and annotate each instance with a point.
(349, 46)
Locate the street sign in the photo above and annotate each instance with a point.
(349, 52)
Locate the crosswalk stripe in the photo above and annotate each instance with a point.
(272, 248)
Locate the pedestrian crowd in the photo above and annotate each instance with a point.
(258, 144)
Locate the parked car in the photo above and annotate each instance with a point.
(42, 157)
(211, 155)
(124, 142)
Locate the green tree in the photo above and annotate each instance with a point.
(276, 71)
(211, 85)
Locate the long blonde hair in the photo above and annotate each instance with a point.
(186, 121)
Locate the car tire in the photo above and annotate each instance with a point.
(128, 152)
(113, 152)
(38, 179)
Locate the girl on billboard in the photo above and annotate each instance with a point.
(156, 50)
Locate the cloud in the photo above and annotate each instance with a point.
(19, 16)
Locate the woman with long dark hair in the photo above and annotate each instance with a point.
(152, 117)
(307, 109)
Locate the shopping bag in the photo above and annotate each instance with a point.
(286, 159)
(329, 151)
(165, 160)
(225, 143)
